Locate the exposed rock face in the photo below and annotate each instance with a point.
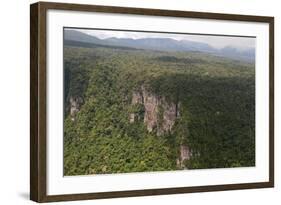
(75, 104)
(137, 98)
(159, 114)
(151, 103)
(170, 114)
(132, 117)
(185, 154)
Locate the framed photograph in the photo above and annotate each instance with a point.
(135, 102)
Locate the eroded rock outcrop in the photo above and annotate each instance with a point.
(184, 155)
(75, 105)
(151, 103)
(170, 114)
(137, 99)
(159, 114)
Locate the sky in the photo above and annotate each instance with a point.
(214, 41)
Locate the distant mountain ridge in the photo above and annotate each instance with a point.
(161, 44)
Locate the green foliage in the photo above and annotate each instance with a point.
(217, 110)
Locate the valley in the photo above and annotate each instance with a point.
(139, 110)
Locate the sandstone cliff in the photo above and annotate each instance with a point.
(75, 105)
(184, 155)
(159, 114)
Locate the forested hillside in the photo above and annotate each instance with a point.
(161, 44)
(134, 110)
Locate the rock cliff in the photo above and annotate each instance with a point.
(159, 114)
(75, 105)
(184, 155)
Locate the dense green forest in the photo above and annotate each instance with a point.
(214, 98)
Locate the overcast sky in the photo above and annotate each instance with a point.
(215, 41)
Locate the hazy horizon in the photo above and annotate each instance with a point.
(217, 42)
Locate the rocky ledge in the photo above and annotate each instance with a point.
(75, 105)
(159, 114)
